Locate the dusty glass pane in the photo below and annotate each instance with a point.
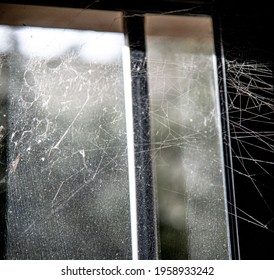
(67, 185)
(186, 138)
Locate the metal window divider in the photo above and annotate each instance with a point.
(147, 236)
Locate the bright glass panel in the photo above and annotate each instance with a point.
(62, 102)
(186, 138)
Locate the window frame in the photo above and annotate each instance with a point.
(135, 38)
(221, 12)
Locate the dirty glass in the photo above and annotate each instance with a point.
(66, 137)
(186, 138)
(64, 129)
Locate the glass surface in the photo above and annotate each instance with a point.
(63, 124)
(186, 138)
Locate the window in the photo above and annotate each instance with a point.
(186, 137)
(68, 193)
(120, 147)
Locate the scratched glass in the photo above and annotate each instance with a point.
(64, 125)
(63, 138)
(186, 138)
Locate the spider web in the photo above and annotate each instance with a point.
(250, 92)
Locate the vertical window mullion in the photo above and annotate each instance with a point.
(229, 177)
(146, 222)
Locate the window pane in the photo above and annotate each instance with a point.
(67, 183)
(186, 138)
